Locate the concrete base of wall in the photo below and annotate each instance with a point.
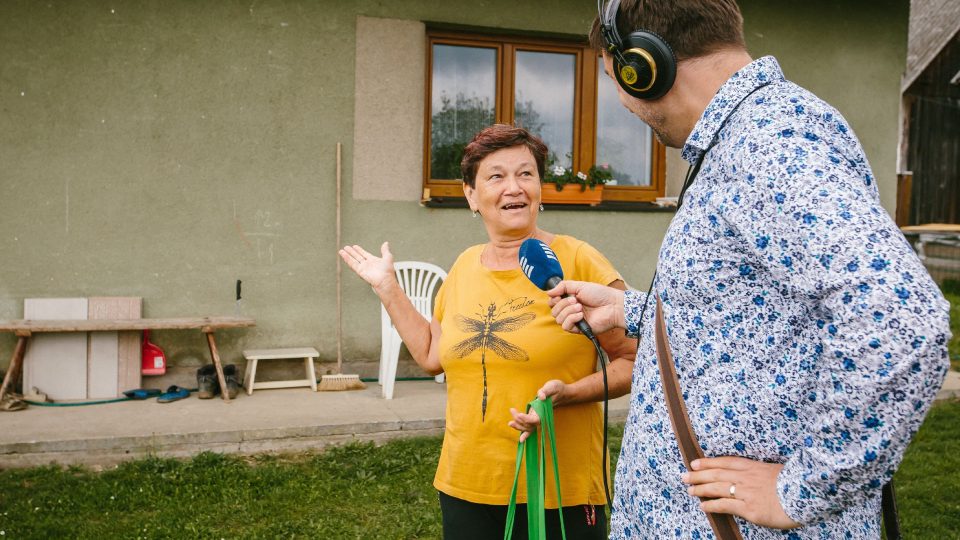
(285, 420)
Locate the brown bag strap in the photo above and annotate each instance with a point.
(724, 526)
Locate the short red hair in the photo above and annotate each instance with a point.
(497, 137)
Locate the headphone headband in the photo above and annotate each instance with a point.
(608, 23)
(608, 28)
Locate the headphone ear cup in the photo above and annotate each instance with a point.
(631, 75)
(650, 66)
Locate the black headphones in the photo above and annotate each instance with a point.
(644, 64)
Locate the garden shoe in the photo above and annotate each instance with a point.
(36, 396)
(12, 402)
(174, 393)
(207, 384)
(232, 378)
(142, 393)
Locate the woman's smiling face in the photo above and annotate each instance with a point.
(507, 191)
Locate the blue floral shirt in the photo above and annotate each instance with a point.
(804, 328)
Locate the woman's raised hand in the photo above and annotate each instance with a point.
(377, 271)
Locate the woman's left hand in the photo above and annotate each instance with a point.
(527, 422)
(753, 495)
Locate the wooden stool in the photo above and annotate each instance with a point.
(252, 356)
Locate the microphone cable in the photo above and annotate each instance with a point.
(602, 356)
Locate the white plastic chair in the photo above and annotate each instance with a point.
(419, 280)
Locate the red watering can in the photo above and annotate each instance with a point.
(153, 362)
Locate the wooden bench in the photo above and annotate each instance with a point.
(24, 328)
(253, 356)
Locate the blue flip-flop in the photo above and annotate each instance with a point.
(173, 393)
(142, 393)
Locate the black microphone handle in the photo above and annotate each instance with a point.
(582, 323)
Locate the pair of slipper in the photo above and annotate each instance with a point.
(173, 393)
(142, 393)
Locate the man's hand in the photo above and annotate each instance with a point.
(754, 493)
(601, 306)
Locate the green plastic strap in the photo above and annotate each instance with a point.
(532, 451)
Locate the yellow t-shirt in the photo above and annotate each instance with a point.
(499, 321)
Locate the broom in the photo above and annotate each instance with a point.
(339, 381)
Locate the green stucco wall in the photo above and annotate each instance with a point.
(166, 149)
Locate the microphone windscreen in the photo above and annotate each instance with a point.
(539, 263)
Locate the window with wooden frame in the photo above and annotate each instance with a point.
(556, 89)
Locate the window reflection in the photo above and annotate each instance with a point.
(462, 103)
(544, 100)
(623, 140)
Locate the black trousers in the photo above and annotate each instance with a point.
(464, 520)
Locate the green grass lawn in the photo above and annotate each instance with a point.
(355, 491)
(954, 346)
(929, 477)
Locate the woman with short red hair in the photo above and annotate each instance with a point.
(493, 335)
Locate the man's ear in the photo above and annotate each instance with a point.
(469, 192)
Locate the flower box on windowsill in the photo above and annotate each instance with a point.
(571, 194)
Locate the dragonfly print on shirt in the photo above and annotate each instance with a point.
(484, 330)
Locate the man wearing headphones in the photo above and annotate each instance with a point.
(808, 339)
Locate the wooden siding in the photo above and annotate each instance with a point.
(933, 154)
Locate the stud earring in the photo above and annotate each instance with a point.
(541, 207)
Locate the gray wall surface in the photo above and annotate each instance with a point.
(167, 149)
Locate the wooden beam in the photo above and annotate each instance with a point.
(106, 325)
(216, 362)
(16, 361)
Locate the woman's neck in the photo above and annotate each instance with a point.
(503, 253)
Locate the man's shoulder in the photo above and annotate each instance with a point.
(784, 105)
(784, 122)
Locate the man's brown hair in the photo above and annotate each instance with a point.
(691, 27)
